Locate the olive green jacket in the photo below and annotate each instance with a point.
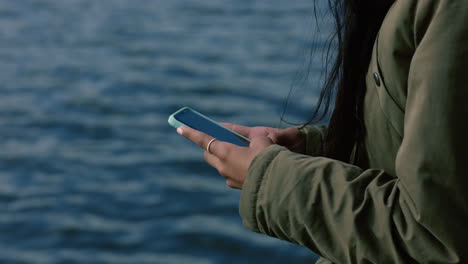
(409, 203)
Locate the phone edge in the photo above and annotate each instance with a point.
(176, 124)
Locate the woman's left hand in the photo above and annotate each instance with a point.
(231, 161)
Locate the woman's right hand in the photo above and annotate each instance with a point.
(291, 138)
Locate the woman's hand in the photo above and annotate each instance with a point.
(233, 161)
(291, 138)
(230, 160)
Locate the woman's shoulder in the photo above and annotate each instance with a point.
(425, 10)
(415, 17)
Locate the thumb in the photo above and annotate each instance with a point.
(287, 137)
(261, 142)
(274, 137)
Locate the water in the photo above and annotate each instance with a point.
(90, 171)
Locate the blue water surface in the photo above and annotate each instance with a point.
(90, 171)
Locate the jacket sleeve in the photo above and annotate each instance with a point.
(350, 215)
(314, 139)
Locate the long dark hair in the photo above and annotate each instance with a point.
(356, 25)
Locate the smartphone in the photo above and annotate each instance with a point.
(191, 118)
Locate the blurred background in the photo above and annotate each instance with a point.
(90, 171)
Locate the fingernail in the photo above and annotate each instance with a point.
(180, 131)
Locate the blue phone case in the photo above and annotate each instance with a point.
(176, 123)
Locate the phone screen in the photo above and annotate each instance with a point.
(200, 123)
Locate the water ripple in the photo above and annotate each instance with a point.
(90, 171)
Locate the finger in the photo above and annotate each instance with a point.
(285, 137)
(261, 142)
(197, 137)
(243, 130)
(212, 160)
(275, 137)
(233, 184)
(221, 149)
(217, 147)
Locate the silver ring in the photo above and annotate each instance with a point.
(209, 144)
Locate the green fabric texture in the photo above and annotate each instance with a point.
(409, 203)
(314, 136)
